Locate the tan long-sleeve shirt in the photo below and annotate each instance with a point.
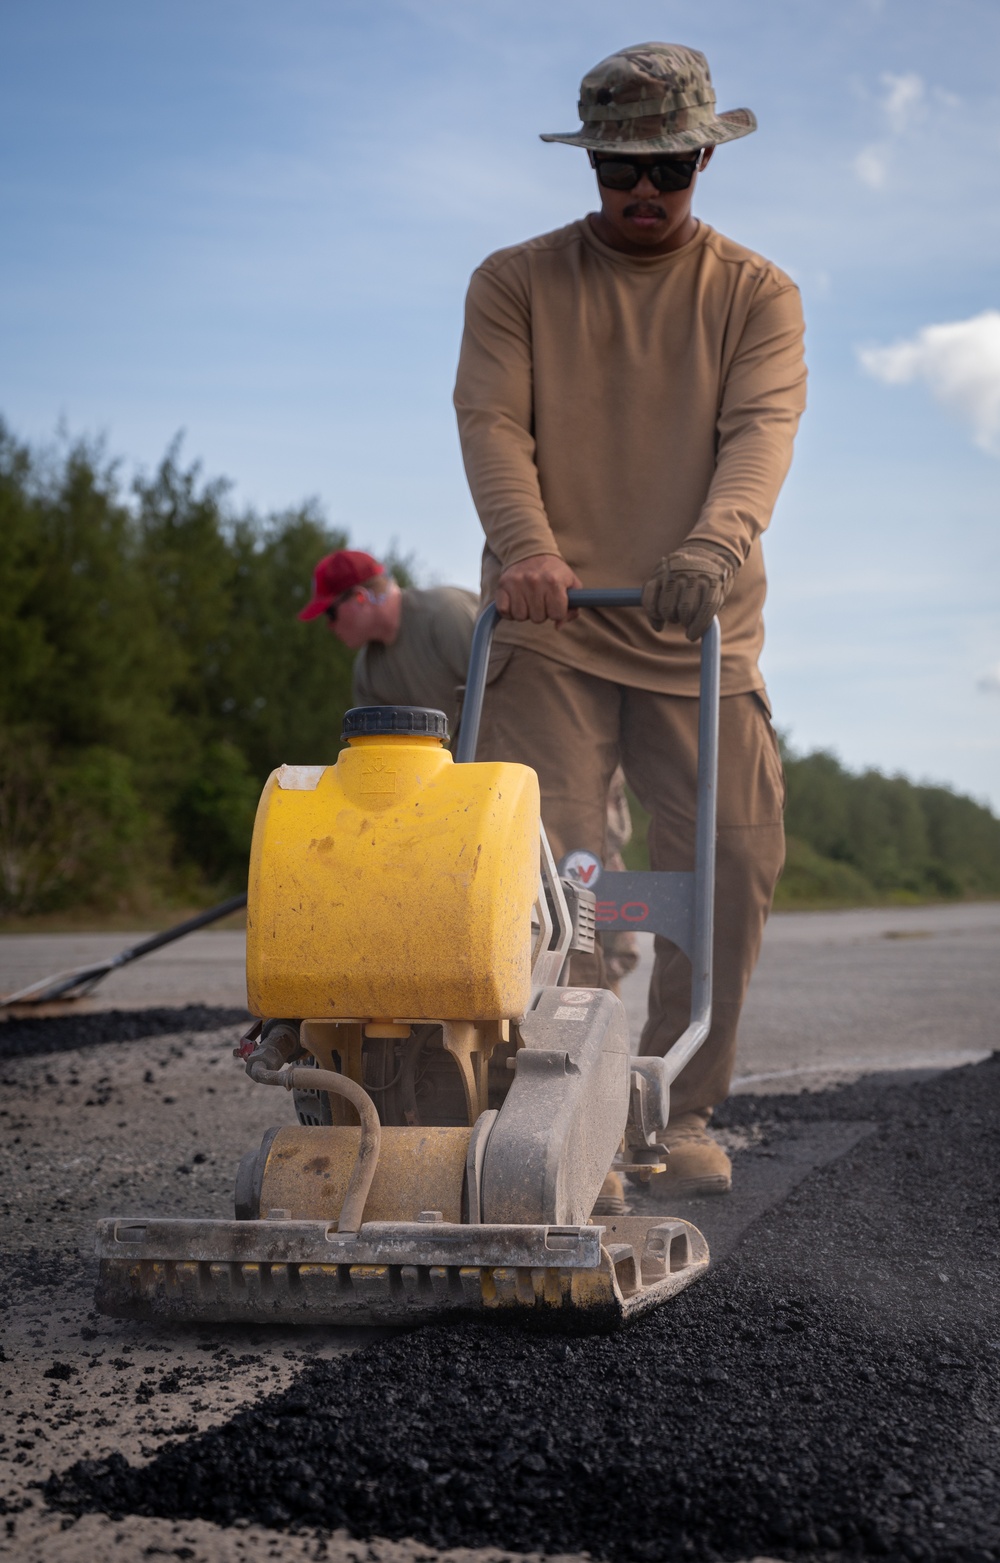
(611, 407)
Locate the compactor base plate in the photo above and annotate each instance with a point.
(391, 1273)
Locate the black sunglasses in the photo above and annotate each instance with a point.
(360, 592)
(337, 603)
(664, 173)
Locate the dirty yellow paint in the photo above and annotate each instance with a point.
(400, 885)
(308, 1169)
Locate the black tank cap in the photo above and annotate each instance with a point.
(402, 721)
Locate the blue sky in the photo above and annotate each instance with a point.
(256, 223)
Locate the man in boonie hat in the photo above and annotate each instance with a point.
(627, 396)
(654, 97)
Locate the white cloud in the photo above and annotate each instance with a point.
(903, 103)
(959, 361)
(872, 166)
(990, 682)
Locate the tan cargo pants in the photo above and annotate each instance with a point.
(573, 729)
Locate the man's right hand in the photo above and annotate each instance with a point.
(535, 589)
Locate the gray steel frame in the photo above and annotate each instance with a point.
(682, 906)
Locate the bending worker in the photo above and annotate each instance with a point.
(412, 646)
(628, 393)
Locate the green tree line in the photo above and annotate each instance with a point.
(154, 671)
(857, 838)
(869, 839)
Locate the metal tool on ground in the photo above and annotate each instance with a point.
(78, 982)
(459, 1105)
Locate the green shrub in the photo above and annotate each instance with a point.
(214, 813)
(810, 880)
(72, 827)
(155, 671)
(909, 843)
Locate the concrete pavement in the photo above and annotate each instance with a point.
(202, 968)
(836, 994)
(839, 994)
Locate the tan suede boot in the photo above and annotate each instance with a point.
(696, 1164)
(611, 1200)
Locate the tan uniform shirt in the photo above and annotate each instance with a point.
(610, 407)
(427, 662)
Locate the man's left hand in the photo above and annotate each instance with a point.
(689, 587)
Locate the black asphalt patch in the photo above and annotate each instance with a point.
(829, 1391)
(766, 1173)
(31, 1037)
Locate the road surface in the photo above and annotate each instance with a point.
(835, 994)
(895, 1335)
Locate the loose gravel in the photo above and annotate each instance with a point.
(830, 1391)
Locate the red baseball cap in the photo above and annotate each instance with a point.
(335, 575)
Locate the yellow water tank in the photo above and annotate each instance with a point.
(394, 885)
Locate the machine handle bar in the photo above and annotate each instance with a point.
(479, 656)
(703, 903)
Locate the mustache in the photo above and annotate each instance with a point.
(644, 209)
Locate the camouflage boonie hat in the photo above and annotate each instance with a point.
(653, 97)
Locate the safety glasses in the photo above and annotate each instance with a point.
(664, 173)
(358, 593)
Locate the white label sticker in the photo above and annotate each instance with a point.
(300, 778)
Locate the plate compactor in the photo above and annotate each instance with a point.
(459, 1106)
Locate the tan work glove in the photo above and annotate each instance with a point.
(689, 587)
